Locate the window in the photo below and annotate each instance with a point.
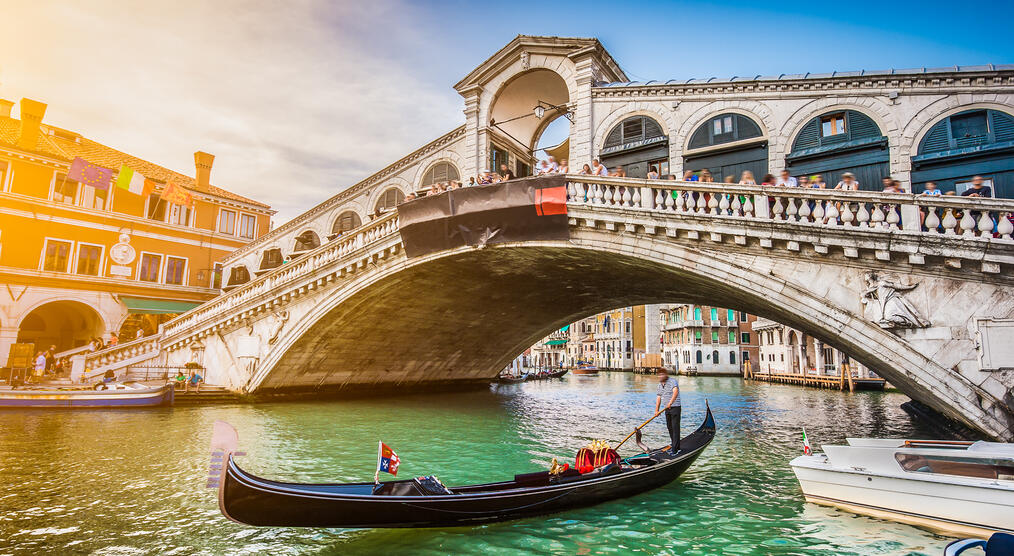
(156, 208)
(89, 257)
(238, 275)
(832, 124)
(732, 357)
(94, 198)
(216, 277)
(732, 336)
(984, 468)
(3, 175)
(272, 258)
(248, 226)
(628, 327)
(714, 336)
(64, 190)
(698, 336)
(746, 356)
(346, 221)
(700, 356)
(632, 130)
(724, 128)
(969, 124)
(56, 255)
(742, 316)
(744, 338)
(714, 315)
(151, 266)
(307, 241)
(731, 316)
(697, 313)
(227, 221)
(661, 165)
(175, 270)
(443, 172)
(389, 200)
(179, 215)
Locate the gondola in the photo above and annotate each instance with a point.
(424, 502)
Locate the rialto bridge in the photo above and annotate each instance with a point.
(918, 288)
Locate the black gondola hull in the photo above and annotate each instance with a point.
(255, 501)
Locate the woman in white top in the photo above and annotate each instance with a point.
(564, 168)
(653, 173)
(747, 178)
(848, 182)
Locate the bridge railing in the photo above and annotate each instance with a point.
(946, 215)
(91, 365)
(284, 275)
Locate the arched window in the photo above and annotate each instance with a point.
(970, 128)
(732, 357)
(714, 357)
(963, 145)
(836, 127)
(632, 131)
(724, 128)
(439, 173)
(697, 313)
(272, 258)
(346, 221)
(307, 241)
(700, 356)
(389, 200)
(238, 275)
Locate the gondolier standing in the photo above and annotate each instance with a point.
(669, 394)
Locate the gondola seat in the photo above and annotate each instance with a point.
(420, 486)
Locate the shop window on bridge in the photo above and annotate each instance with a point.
(969, 143)
(441, 172)
(833, 143)
(238, 275)
(636, 144)
(306, 241)
(389, 200)
(727, 145)
(272, 258)
(347, 221)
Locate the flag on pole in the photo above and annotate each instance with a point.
(90, 174)
(387, 461)
(176, 194)
(807, 451)
(133, 181)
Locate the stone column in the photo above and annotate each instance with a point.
(818, 349)
(802, 354)
(474, 150)
(8, 337)
(582, 132)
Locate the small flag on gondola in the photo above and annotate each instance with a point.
(807, 451)
(387, 461)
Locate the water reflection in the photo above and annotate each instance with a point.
(132, 481)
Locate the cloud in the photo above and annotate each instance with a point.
(297, 100)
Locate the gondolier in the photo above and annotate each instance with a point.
(669, 395)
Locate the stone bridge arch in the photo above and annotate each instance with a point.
(463, 314)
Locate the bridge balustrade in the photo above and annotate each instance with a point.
(936, 215)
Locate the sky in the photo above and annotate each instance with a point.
(299, 99)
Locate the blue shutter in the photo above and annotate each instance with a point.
(808, 137)
(1003, 126)
(860, 126)
(937, 138)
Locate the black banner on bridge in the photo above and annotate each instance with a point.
(518, 210)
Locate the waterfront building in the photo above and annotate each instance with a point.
(551, 351)
(79, 261)
(614, 339)
(785, 350)
(701, 339)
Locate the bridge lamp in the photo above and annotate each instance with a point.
(540, 111)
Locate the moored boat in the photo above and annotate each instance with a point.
(87, 398)
(425, 502)
(950, 487)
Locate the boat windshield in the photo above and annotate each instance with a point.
(981, 468)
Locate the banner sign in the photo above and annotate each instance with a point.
(518, 210)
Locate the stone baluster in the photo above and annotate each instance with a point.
(736, 206)
(723, 205)
(778, 209)
(749, 210)
(967, 224)
(684, 203)
(877, 216)
(671, 202)
(713, 203)
(571, 192)
(804, 210)
(791, 210)
(863, 216)
(818, 211)
(893, 218)
(627, 197)
(599, 196)
(660, 195)
(1005, 227)
(985, 224)
(832, 213)
(607, 195)
(949, 222)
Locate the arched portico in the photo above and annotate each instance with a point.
(64, 323)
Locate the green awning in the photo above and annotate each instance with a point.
(565, 328)
(140, 305)
(556, 342)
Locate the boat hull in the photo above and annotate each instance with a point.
(255, 501)
(945, 508)
(148, 397)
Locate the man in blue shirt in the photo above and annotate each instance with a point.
(669, 394)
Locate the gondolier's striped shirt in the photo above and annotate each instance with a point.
(665, 392)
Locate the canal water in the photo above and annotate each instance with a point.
(132, 482)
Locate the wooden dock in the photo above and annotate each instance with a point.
(843, 381)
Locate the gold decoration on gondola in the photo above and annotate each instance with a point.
(555, 468)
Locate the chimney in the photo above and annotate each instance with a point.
(203, 162)
(32, 112)
(5, 108)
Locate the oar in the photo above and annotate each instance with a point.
(617, 448)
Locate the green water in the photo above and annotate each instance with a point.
(132, 482)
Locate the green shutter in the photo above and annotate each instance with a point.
(809, 136)
(1003, 126)
(937, 139)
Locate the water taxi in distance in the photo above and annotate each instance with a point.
(950, 487)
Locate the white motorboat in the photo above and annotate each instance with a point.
(950, 487)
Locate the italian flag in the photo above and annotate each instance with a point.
(807, 451)
(131, 180)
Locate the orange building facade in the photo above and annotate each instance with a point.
(77, 262)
